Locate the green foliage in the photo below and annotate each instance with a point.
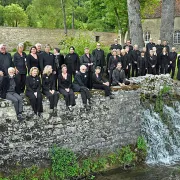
(79, 42)
(15, 16)
(141, 144)
(1, 15)
(126, 156)
(64, 163)
(159, 100)
(46, 175)
(27, 45)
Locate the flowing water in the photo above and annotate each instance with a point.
(162, 134)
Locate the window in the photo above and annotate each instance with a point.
(176, 38)
(97, 38)
(147, 36)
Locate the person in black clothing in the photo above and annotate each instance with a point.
(107, 61)
(5, 60)
(113, 60)
(47, 58)
(152, 61)
(178, 65)
(118, 76)
(65, 87)
(142, 64)
(48, 87)
(32, 58)
(10, 90)
(1, 80)
(99, 57)
(39, 47)
(172, 61)
(134, 55)
(59, 60)
(166, 46)
(88, 60)
(150, 45)
(128, 44)
(129, 62)
(100, 83)
(124, 60)
(72, 62)
(20, 66)
(33, 91)
(80, 85)
(159, 49)
(164, 61)
(116, 45)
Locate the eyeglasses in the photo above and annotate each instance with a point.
(83, 69)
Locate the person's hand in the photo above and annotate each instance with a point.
(120, 84)
(67, 89)
(76, 71)
(89, 64)
(35, 93)
(108, 71)
(17, 71)
(170, 62)
(1, 73)
(54, 72)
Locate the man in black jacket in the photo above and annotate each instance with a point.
(116, 45)
(172, 61)
(5, 60)
(118, 76)
(80, 85)
(142, 64)
(164, 45)
(10, 90)
(47, 58)
(88, 60)
(99, 57)
(150, 45)
(159, 49)
(134, 55)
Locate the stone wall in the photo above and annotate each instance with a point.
(108, 125)
(11, 36)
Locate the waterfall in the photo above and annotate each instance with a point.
(162, 135)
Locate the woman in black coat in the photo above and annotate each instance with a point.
(48, 87)
(113, 60)
(164, 61)
(33, 91)
(72, 62)
(152, 61)
(20, 66)
(100, 83)
(64, 86)
(32, 59)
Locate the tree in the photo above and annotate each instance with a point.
(63, 5)
(167, 21)
(135, 26)
(15, 16)
(1, 15)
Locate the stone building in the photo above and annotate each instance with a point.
(152, 23)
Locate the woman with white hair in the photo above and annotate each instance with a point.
(48, 87)
(20, 66)
(11, 91)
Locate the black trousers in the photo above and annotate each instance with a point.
(85, 94)
(68, 96)
(53, 98)
(90, 72)
(110, 76)
(128, 72)
(21, 81)
(152, 70)
(164, 69)
(171, 68)
(142, 72)
(134, 70)
(36, 103)
(106, 89)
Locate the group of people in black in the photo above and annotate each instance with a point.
(43, 72)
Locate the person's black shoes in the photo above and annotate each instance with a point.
(20, 117)
(87, 107)
(111, 96)
(70, 108)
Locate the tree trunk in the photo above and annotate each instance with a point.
(64, 16)
(136, 32)
(167, 21)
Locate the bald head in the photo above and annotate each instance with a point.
(83, 68)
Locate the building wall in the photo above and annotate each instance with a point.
(12, 36)
(153, 26)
